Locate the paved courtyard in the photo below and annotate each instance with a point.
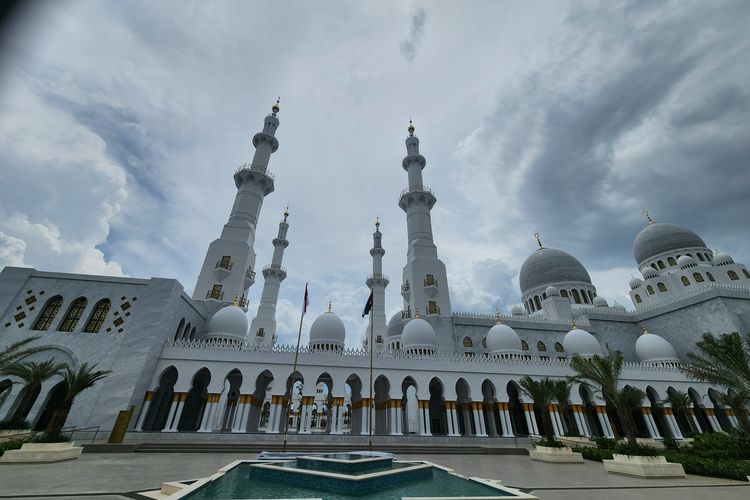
(121, 475)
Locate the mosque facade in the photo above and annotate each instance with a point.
(195, 364)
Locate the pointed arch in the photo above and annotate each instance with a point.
(179, 329)
(47, 316)
(97, 316)
(73, 316)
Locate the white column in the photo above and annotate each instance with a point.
(395, 410)
(476, 410)
(10, 399)
(451, 418)
(505, 417)
(208, 412)
(653, 431)
(528, 410)
(175, 411)
(675, 425)
(424, 407)
(557, 421)
(277, 415)
(144, 410)
(711, 415)
(341, 410)
(695, 420)
(240, 415)
(489, 418)
(601, 413)
(365, 412)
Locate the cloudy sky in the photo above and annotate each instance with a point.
(121, 124)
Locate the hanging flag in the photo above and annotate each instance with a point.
(368, 304)
(306, 301)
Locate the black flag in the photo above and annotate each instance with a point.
(368, 304)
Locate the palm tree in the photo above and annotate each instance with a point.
(680, 402)
(562, 395)
(17, 351)
(725, 361)
(737, 401)
(33, 373)
(604, 371)
(78, 381)
(542, 392)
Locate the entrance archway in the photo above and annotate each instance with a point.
(158, 411)
(195, 403)
(54, 400)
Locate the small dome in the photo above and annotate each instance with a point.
(328, 328)
(502, 339)
(652, 348)
(635, 283)
(552, 291)
(660, 237)
(518, 310)
(395, 325)
(600, 302)
(228, 322)
(418, 333)
(722, 259)
(547, 265)
(581, 342)
(649, 272)
(686, 261)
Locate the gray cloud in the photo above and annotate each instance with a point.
(410, 46)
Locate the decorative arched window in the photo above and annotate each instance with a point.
(186, 332)
(51, 308)
(559, 347)
(524, 345)
(537, 303)
(732, 275)
(638, 299)
(576, 297)
(74, 315)
(192, 334)
(98, 315)
(710, 276)
(661, 286)
(650, 290)
(661, 264)
(654, 266)
(685, 281)
(697, 277)
(585, 296)
(564, 293)
(700, 257)
(179, 329)
(484, 343)
(747, 274)
(541, 347)
(468, 342)
(379, 339)
(671, 261)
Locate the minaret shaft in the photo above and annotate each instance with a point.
(263, 326)
(228, 269)
(378, 282)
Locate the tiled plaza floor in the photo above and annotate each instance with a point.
(118, 476)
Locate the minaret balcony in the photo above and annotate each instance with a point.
(258, 174)
(433, 310)
(416, 194)
(377, 279)
(274, 270)
(431, 286)
(249, 278)
(222, 269)
(405, 289)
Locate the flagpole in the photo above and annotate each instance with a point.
(294, 370)
(372, 348)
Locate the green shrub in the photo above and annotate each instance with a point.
(717, 445)
(13, 424)
(549, 443)
(597, 454)
(604, 443)
(572, 433)
(671, 443)
(11, 444)
(50, 438)
(639, 450)
(703, 466)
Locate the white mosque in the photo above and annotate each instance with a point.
(194, 365)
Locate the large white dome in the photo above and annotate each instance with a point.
(395, 325)
(581, 342)
(228, 322)
(328, 328)
(418, 333)
(652, 348)
(502, 339)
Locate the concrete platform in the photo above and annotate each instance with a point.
(643, 466)
(42, 453)
(556, 455)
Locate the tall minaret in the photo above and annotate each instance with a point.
(425, 285)
(263, 327)
(229, 267)
(377, 281)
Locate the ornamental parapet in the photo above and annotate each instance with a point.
(247, 167)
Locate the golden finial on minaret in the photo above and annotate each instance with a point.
(377, 223)
(417, 314)
(411, 127)
(235, 300)
(286, 212)
(275, 108)
(538, 241)
(329, 307)
(573, 324)
(648, 217)
(643, 327)
(497, 315)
